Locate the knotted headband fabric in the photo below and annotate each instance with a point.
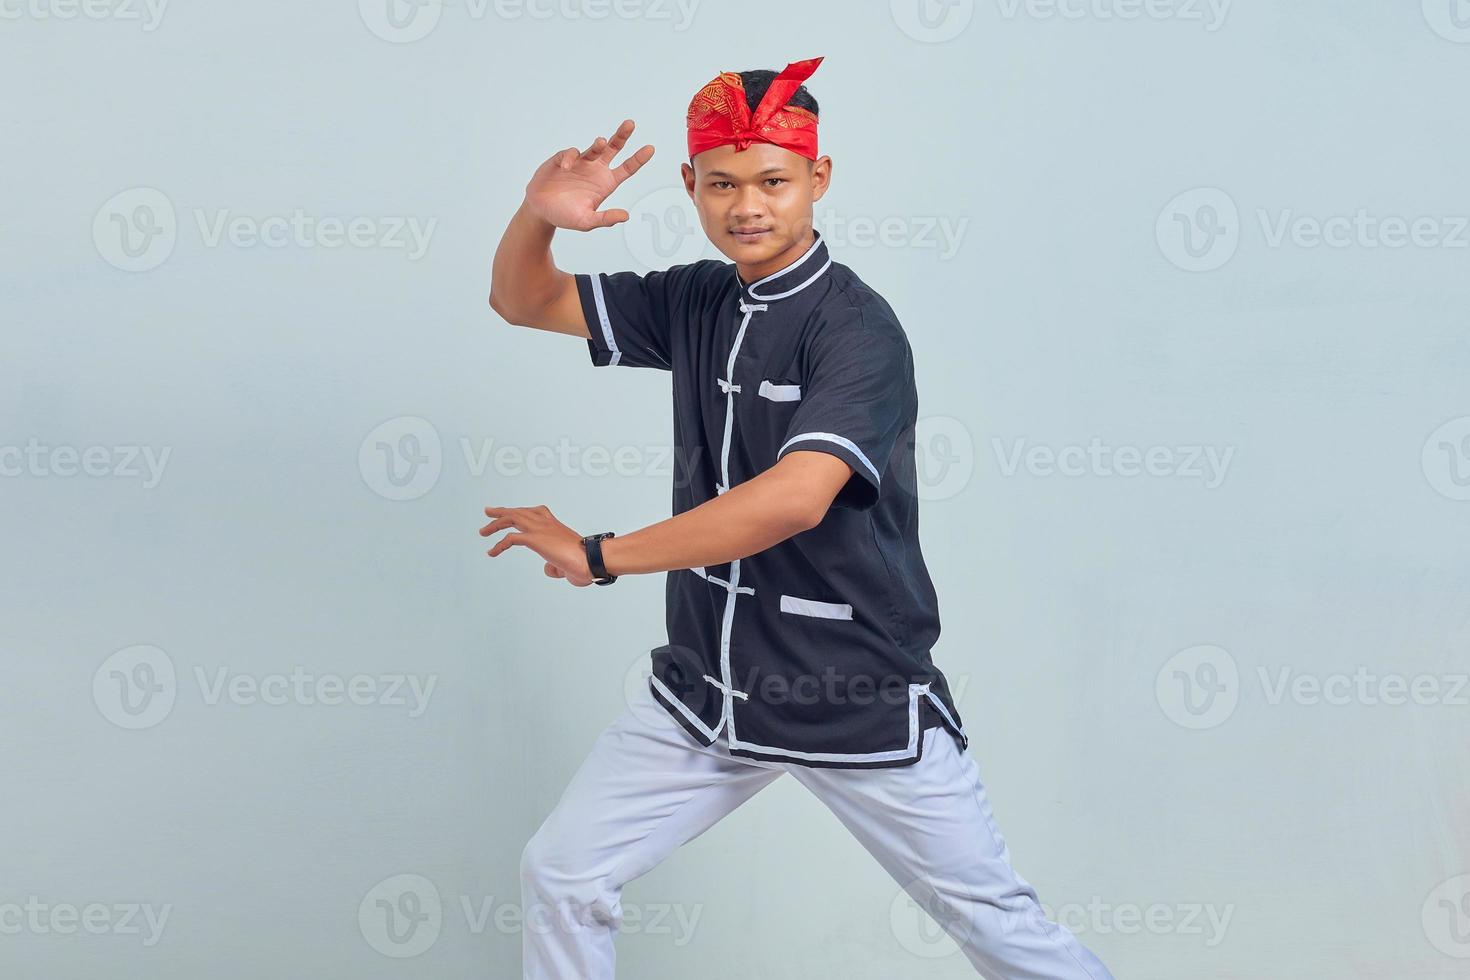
(718, 113)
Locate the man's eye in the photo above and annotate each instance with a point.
(778, 180)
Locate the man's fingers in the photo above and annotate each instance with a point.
(606, 219)
(553, 572)
(630, 166)
(499, 525)
(606, 149)
(625, 129)
(509, 541)
(504, 517)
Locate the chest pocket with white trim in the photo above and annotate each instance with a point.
(779, 392)
(812, 607)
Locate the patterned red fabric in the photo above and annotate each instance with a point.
(718, 113)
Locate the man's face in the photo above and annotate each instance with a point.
(756, 204)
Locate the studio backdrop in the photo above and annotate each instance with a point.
(1186, 287)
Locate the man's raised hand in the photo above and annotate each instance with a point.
(561, 549)
(569, 187)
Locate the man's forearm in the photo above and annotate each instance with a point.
(751, 517)
(524, 277)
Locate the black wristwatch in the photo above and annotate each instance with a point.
(593, 544)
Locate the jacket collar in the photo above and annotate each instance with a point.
(792, 279)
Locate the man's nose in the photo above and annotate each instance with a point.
(751, 203)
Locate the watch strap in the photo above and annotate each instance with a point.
(593, 544)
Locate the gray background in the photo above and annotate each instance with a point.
(1119, 643)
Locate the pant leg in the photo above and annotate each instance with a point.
(931, 828)
(645, 788)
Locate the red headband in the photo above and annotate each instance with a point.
(718, 114)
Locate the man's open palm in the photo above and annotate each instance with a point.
(568, 188)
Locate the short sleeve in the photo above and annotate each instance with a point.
(855, 402)
(630, 317)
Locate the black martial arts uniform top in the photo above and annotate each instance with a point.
(815, 651)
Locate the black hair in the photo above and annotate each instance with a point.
(758, 80)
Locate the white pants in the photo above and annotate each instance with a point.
(647, 787)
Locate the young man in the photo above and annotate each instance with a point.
(800, 615)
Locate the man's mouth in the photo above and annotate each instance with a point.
(747, 236)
